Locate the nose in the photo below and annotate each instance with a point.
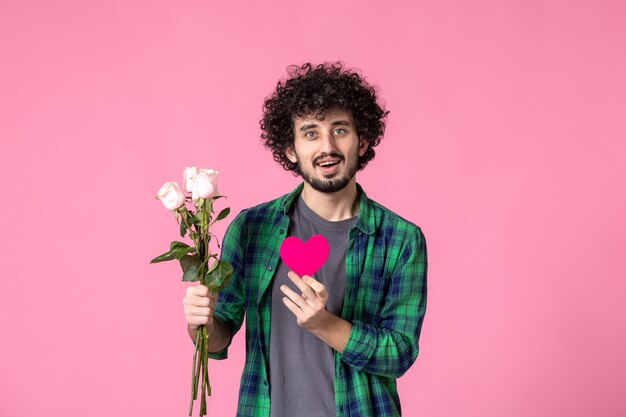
(328, 142)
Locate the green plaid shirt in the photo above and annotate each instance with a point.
(385, 300)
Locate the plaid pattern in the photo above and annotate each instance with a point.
(385, 300)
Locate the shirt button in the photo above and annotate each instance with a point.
(269, 268)
(281, 231)
(265, 382)
(360, 233)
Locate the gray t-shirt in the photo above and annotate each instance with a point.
(301, 365)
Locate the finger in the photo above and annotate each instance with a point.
(199, 320)
(212, 301)
(198, 290)
(317, 286)
(294, 297)
(192, 311)
(198, 301)
(302, 285)
(293, 308)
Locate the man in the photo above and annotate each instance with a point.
(331, 344)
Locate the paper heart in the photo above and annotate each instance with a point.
(304, 258)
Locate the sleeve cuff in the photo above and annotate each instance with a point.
(360, 346)
(222, 354)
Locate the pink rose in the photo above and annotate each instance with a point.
(171, 196)
(204, 184)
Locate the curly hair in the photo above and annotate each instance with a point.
(315, 90)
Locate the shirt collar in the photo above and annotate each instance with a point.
(365, 220)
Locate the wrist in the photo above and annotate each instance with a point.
(333, 330)
(325, 321)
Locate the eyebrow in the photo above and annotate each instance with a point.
(334, 123)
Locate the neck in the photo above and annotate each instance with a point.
(340, 205)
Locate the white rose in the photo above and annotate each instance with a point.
(171, 196)
(189, 175)
(204, 184)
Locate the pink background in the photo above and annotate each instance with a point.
(506, 143)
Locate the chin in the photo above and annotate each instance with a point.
(328, 186)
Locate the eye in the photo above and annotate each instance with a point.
(310, 135)
(340, 131)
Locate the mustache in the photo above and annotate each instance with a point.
(328, 155)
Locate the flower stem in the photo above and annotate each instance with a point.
(194, 376)
(198, 364)
(206, 366)
(202, 358)
(201, 355)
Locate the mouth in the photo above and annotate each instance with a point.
(329, 165)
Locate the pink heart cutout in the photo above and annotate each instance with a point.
(304, 258)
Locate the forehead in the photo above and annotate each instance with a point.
(326, 117)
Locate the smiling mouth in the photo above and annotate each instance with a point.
(329, 168)
(328, 164)
(328, 160)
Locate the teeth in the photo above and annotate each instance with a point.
(325, 164)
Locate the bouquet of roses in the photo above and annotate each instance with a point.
(195, 215)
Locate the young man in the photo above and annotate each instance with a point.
(332, 344)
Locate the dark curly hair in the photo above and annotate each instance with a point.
(315, 90)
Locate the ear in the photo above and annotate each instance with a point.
(363, 146)
(290, 154)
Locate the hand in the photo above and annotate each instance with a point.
(199, 304)
(309, 307)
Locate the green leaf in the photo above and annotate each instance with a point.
(213, 265)
(188, 261)
(222, 214)
(183, 229)
(183, 220)
(181, 249)
(177, 245)
(191, 266)
(196, 218)
(177, 251)
(219, 276)
(167, 256)
(191, 274)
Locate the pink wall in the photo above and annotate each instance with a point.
(506, 143)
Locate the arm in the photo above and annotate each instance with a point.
(391, 347)
(388, 349)
(310, 311)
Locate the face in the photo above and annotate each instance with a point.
(326, 150)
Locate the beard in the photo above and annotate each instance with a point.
(329, 185)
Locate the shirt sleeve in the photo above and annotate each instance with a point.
(230, 305)
(390, 348)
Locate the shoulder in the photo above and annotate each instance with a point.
(262, 215)
(389, 222)
(402, 239)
